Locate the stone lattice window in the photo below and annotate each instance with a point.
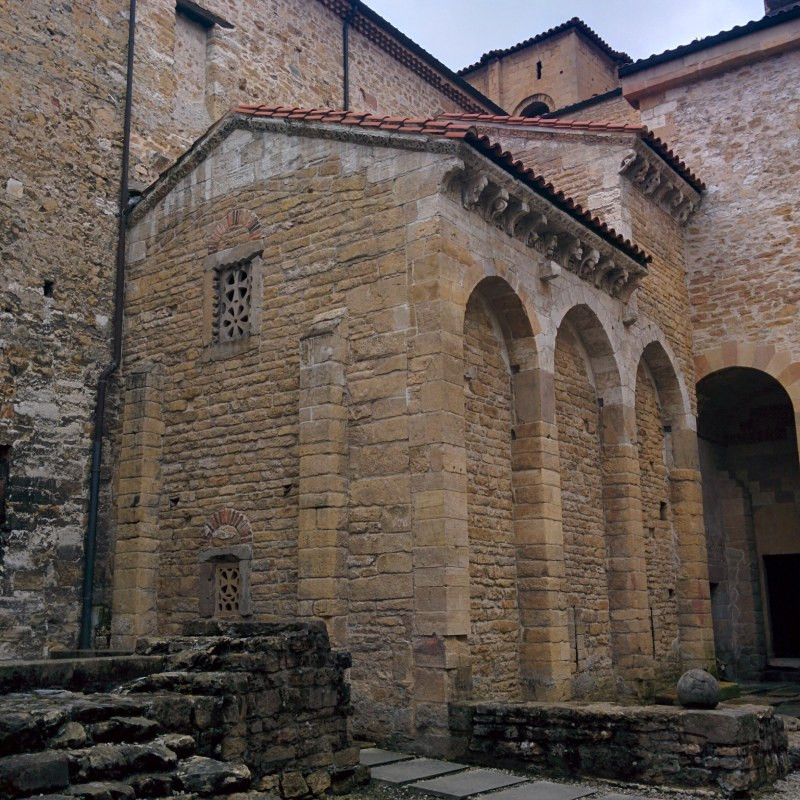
(234, 294)
(229, 588)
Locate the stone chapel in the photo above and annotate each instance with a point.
(496, 372)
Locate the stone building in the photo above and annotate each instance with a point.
(427, 376)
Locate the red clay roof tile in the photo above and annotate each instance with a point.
(654, 142)
(575, 23)
(454, 127)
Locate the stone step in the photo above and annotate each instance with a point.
(198, 683)
(124, 729)
(112, 761)
(101, 790)
(208, 777)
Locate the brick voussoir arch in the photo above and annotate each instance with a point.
(239, 217)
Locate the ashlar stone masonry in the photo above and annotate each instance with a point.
(427, 427)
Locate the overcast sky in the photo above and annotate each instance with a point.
(458, 32)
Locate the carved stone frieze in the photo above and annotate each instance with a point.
(654, 179)
(563, 243)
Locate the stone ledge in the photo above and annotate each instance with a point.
(732, 749)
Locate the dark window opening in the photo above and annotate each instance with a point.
(5, 461)
(538, 70)
(47, 288)
(536, 109)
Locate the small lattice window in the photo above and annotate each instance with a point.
(229, 586)
(234, 294)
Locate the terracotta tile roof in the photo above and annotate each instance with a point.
(572, 24)
(587, 103)
(660, 147)
(455, 128)
(709, 41)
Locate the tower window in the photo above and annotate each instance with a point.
(535, 109)
(538, 70)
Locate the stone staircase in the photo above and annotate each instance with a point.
(252, 710)
(108, 747)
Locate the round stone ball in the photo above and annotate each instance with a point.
(698, 689)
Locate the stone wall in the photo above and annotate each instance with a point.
(494, 615)
(58, 199)
(732, 749)
(743, 289)
(339, 432)
(657, 524)
(558, 71)
(581, 462)
(230, 708)
(288, 52)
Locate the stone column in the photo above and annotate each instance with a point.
(322, 534)
(439, 508)
(629, 608)
(545, 664)
(695, 624)
(138, 489)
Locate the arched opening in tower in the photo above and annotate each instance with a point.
(751, 499)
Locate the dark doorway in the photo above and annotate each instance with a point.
(782, 575)
(751, 506)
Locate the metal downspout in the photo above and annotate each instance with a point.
(346, 52)
(90, 544)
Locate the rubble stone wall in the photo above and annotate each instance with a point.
(229, 709)
(735, 750)
(59, 179)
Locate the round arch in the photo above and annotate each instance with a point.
(536, 104)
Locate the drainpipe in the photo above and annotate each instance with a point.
(346, 51)
(90, 544)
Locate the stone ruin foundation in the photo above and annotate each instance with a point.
(734, 750)
(250, 708)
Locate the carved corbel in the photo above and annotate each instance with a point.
(663, 193)
(547, 245)
(684, 211)
(605, 267)
(628, 162)
(529, 229)
(472, 188)
(639, 174)
(589, 264)
(652, 183)
(495, 205)
(514, 214)
(571, 253)
(633, 282)
(616, 280)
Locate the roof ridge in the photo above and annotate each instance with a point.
(767, 21)
(453, 129)
(659, 146)
(574, 22)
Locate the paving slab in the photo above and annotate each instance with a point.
(466, 784)
(417, 769)
(544, 790)
(375, 757)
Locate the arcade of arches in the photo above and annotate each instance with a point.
(620, 568)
